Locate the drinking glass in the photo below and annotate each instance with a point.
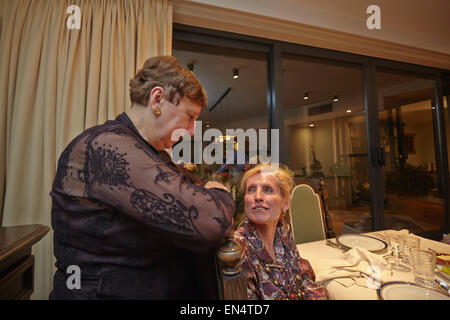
(411, 242)
(395, 244)
(423, 262)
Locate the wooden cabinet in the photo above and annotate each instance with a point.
(16, 260)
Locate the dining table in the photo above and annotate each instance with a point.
(319, 254)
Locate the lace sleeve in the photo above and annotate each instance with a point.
(126, 174)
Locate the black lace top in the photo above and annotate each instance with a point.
(137, 227)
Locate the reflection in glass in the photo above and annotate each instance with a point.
(446, 85)
(233, 102)
(412, 197)
(326, 136)
(236, 85)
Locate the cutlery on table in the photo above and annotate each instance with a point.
(443, 286)
(336, 246)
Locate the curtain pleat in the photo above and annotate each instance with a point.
(56, 82)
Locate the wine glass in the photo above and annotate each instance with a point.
(395, 243)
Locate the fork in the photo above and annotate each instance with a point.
(335, 245)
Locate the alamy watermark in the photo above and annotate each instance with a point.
(224, 144)
(74, 20)
(374, 278)
(74, 280)
(374, 20)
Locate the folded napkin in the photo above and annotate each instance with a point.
(356, 266)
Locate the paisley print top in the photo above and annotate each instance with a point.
(135, 225)
(287, 277)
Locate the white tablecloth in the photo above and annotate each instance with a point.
(317, 253)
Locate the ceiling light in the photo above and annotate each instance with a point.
(311, 124)
(235, 73)
(224, 138)
(335, 98)
(190, 66)
(306, 96)
(348, 111)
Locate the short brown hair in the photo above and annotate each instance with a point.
(166, 72)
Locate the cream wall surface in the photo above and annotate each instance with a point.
(54, 83)
(416, 23)
(411, 31)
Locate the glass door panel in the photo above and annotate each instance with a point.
(236, 83)
(325, 125)
(412, 199)
(446, 96)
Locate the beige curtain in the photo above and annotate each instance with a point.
(54, 83)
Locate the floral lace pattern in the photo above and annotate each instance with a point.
(134, 223)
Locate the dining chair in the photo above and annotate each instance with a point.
(309, 213)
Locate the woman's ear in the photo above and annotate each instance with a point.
(155, 99)
(156, 96)
(285, 205)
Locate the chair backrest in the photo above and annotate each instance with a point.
(232, 283)
(307, 216)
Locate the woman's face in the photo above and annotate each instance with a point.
(263, 200)
(176, 119)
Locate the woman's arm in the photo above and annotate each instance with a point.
(126, 174)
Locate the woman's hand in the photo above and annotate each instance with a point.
(215, 184)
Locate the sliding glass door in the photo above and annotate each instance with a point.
(374, 130)
(325, 126)
(413, 197)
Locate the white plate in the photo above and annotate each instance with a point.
(355, 240)
(409, 291)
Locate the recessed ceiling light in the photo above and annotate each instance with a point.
(335, 98)
(311, 124)
(348, 111)
(235, 73)
(306, 96)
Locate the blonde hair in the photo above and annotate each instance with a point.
(284, 179)
(166, 72)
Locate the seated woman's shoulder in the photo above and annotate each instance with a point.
(239, 234)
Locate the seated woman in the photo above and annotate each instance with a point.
(271, 262)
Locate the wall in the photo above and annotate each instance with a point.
(321, 138)
(402, 21)
(406, 34)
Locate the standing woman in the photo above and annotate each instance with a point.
(134, 225)
(271, 262)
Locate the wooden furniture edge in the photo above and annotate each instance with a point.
(29, 240)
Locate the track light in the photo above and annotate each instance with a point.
(306, 96)
(235, 73)
(335, 98)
